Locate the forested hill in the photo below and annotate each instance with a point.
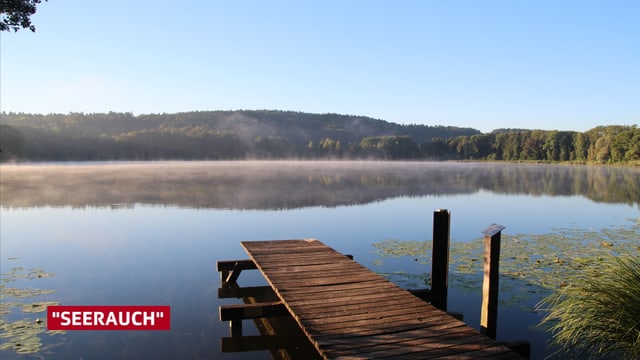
(200, 135)
(285, 134)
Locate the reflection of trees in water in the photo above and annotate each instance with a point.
(282, 184)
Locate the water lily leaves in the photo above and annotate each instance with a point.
(19, 272)
(23, 336)
(38, 306)
(37, 273)
(398, 248)
(5, 307)
(531, 265)
(6, 292)
(12, 275)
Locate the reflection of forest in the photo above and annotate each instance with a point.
(282, 184)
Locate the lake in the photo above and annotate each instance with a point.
(151, 234)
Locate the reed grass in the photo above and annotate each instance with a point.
(598, 316)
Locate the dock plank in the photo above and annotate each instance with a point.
(350, 312)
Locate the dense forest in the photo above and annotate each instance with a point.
(218, 135)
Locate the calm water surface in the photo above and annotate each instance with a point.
(150, 234)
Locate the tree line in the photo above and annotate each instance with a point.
(226, 135)
(612, 144)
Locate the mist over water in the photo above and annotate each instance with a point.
(298, 184)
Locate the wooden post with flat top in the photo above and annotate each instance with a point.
(489, 310)
(440, 259)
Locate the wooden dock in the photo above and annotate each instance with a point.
(349, 312)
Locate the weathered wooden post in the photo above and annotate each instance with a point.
(235, 327)
(440, 258)
(489, 311)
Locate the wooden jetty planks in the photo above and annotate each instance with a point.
(348, 311)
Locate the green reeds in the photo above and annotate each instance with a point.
(598, 316)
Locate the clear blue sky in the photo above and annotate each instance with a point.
(555, 64)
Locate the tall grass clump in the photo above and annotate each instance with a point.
(598, 316)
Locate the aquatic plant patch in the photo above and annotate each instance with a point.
(532, 266)
(23, 336)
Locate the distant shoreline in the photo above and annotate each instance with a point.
(276, 135)
(635, 164)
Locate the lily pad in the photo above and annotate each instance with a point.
(38, 306)
(37, 273)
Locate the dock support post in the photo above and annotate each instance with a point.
(230, 270)
(489, 310)
(440, 258)
(235, 327)
(235, 273)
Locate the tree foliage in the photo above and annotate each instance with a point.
(286, 134)
(209, 135)
(16, 14)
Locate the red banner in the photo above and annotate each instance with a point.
(108, 318)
